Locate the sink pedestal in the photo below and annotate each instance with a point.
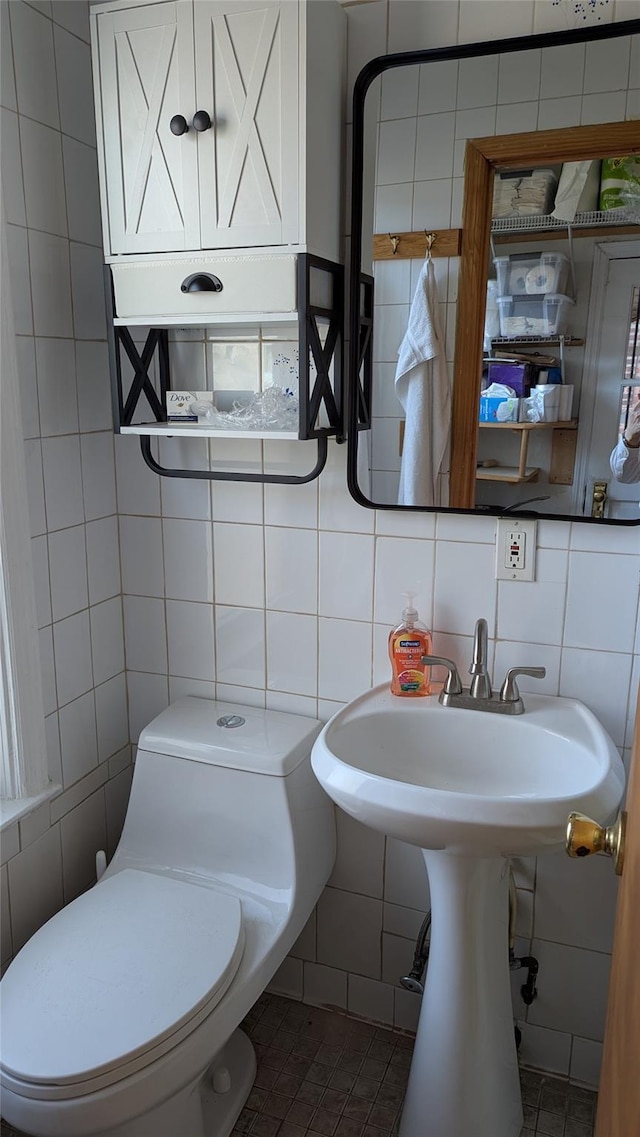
(464, 1074)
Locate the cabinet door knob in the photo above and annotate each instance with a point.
(178, 124)
(201, 121)
(201, 282)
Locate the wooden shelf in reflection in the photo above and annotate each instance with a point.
(562, 456)
(502, 342)
(510, 474)
(567, 424)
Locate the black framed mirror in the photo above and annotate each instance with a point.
(434, 133)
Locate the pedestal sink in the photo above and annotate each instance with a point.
(471, 789)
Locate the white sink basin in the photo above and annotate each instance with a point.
(471, 788)
(468, 781)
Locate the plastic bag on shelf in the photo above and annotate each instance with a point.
(275, 408)
(620, 185)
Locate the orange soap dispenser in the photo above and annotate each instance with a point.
(407, 645)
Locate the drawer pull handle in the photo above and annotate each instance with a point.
(201, 121)
(201, 282)
(178, 125)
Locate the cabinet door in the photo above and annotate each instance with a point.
(149, 175)
(247, 80)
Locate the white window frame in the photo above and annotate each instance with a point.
(24, 777)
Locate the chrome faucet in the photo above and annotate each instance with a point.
(480, 682)
(479, 696)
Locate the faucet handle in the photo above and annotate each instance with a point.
(452, 685)
(509, 692)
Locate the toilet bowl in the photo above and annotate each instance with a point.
(120, 1016)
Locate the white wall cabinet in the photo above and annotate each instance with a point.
(266, 173)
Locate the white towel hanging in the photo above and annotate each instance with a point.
(424, 390)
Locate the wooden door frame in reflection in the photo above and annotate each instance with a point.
(483, 157)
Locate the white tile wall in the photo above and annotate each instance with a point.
(359, 865)
(287, 549)
(49, 178)
(50, 283)
(349, 930)
(560, 1004)
(44, 200)
(292, 653)
(57, 394)
(103, 560)
(107, 644)
(68, 571)
(82, 831)
(231, 576)
(35, 885)
(78, 741)
(190, 640)
(34, 65)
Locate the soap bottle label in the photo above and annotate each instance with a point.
(410, 676)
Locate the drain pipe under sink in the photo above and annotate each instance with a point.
(413, 981)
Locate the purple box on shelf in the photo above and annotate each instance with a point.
(518, 376)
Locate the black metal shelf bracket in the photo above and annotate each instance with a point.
(364, 374)
(320, 285)
(314, 274)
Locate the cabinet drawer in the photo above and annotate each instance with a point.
(151, 291)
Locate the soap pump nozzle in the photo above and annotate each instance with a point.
(410, 614)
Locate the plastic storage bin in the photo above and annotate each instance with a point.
(533, 316)
(533, 274)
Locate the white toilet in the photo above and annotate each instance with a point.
(120, 1015)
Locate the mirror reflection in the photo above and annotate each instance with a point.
(516, 397)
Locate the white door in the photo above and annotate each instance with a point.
(247, 81)
(613, 369)
(145, 61)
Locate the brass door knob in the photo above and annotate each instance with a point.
(598, 499)
(585, 837)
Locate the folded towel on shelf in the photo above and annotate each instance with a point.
(523, 194)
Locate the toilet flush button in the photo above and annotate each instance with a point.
(230, 721)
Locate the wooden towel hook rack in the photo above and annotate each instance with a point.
(415, 245)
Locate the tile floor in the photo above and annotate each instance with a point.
(323, 1074)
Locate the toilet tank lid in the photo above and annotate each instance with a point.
(266, 742)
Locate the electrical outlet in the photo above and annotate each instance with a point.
(515, 549)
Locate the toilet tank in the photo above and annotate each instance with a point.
(227, 792)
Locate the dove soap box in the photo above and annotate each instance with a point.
(181, 405)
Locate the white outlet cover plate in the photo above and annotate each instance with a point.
(505, 528)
